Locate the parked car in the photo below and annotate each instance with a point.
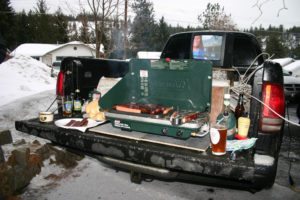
(55, 68)
(291, 81)
(291, 87)
(293, 68)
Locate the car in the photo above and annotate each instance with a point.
(291, 81)
(55, 68)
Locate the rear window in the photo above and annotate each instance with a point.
(207, 47)
(178, 47)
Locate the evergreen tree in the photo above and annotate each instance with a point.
(7, 24)
(73, 33)
(60, 27)
(143, 24)
(44, 29)
(274, 46)
(84, 34)
(23, 30)
(296, 52)
(162, 33)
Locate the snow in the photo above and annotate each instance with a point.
(33, 49)
(263, 160)
(149, 54)
(23, 76)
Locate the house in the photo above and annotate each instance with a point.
(49, 53)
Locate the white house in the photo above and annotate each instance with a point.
(49, 53)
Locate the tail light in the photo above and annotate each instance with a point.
(60, 84)
(273, 97)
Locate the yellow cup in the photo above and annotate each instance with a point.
(243, 126)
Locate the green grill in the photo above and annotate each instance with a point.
(183, 85)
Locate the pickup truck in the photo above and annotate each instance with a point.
(226, 52)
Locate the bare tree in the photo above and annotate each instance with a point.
(215, 18)
(102, 11)
(260, 3)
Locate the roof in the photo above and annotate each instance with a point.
(39, 49)
(33, 49)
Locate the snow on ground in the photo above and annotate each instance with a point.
(23, 76)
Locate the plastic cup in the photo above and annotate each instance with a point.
(218, 136)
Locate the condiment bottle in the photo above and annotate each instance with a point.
(244, 124)
(228, 117)
(239, 109)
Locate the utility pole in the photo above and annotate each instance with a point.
(125, 30)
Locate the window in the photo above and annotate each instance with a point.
(59, 58)
(178, 47)
(244, 51)
(207, 47)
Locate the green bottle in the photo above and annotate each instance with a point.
(228, 116)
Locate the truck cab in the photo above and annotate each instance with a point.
(226, 55)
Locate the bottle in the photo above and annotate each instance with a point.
(77, 104)
(67, 106)
(228, 117)
(239, 109)
(244, 124)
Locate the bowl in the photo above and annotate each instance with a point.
(46, 116)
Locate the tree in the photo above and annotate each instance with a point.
(215, 18)
(101, 11)
(84, 34)
(274, 46)
(7, 23)
(44, 32)
(143, 24)
(161, 34)
(60, 27)
(23, 30)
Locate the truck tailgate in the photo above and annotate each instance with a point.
(146, 152)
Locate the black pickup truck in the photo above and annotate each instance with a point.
(226, 52)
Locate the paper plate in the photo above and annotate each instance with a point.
(91, 123)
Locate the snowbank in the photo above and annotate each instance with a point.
(23, 76)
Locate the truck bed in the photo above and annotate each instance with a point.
(175, 155)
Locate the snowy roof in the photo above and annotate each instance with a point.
(38, 49)
(33, 49)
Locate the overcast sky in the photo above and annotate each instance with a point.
(185, 12)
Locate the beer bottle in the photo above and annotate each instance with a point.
(77, 103)
(239, 109)
(228, 117)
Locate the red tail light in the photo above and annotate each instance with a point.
(60, 84)
(273, 96)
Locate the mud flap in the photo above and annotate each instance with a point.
(135, 177)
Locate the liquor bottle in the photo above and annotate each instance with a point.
(228, 117)
(239, 109)
(77, 103)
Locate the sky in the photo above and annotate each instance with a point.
(185, 12)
